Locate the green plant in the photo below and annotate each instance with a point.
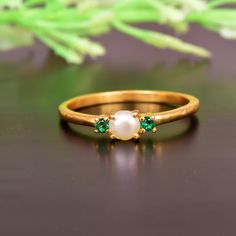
(66, 26)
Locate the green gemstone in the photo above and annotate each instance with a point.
(148, 124)
(102, 126)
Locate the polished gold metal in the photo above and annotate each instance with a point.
(135, 113)
(112, 117)
(137, 136)
(154, 130)
(185, 105)
(142, 131)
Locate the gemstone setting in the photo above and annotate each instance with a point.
(102, 125)
(147, 123)
(124, 125)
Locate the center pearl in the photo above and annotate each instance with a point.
(124, 126)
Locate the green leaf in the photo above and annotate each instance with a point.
(160, 40)
(228, 33)
(12, 37)
(217, 3)
(10, 3)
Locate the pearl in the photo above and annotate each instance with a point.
(124, 126)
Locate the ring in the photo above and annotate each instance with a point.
(124, 124)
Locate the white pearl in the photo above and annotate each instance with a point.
(124, 126)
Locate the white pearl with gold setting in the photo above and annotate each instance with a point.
(124, 126)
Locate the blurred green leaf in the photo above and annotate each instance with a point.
(11, 3)
(12, 37)
(161, 40)
(66, 26)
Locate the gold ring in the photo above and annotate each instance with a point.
(124, 124)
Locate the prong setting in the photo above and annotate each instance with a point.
(112, 117)
(108, 132)
(101, 125)
(135, 113)
(106, 119)
(112, 136)
(148, 123)
(136, 136)
(142, 118)
(154, 130)
(142, 131)
(125, 125)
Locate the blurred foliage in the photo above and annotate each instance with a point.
(66, 26)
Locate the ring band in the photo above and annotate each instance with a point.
(125, 125)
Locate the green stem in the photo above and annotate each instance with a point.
(9, 17)
(138, 16)
(69, 55)
(160, 40)
(217, 3)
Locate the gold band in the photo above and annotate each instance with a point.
(185, 105)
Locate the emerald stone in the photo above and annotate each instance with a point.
(148, 124)
(102, 126)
